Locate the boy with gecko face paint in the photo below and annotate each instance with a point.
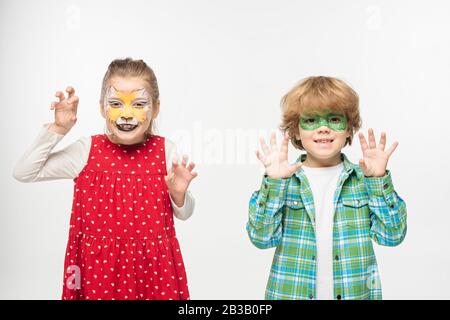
(323, 212)
(129, 186)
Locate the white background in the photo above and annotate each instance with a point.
(222, 68)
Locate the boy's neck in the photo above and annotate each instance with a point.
(314, 162)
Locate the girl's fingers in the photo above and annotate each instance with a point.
(194, 174)
(73, 100)
(191, 166)
(382, 143)
(53, 105)
(60, 96)
(264, 146)
(174, 164)
(362, 142)
(372, 143)
(392, 148)
(71, 91)
(184, 160)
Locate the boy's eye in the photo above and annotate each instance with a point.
(310, 120)
(139, 104)
(335, 119)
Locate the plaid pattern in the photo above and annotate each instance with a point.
(281, 215)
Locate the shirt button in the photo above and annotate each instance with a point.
(336, 258)
(260, 203)
(339, 297)
(385, 186)
(313, 257)
(265, 186)
(295, 202)
(311, 296)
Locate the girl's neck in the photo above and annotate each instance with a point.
(314, 162)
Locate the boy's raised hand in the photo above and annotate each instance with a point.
(65, 111)
(276, 160)
(179, 178)
(375, 159)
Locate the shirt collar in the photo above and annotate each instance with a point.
(348, 166)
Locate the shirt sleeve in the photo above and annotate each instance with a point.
(39, 163)
(388, 211)
(265, 213)
(184, 212)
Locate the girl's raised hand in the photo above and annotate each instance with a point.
(65, 111)
(375, 159)
(276, 160)
(179, 178)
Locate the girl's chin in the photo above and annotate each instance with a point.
(128, 137)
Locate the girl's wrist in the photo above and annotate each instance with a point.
(58, 129)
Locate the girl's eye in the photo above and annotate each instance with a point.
(310, 120)
(114, 104)
(139, 104)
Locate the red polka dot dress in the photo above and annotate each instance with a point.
(122, 242)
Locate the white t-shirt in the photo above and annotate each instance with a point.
(323, 182)
(39, 163)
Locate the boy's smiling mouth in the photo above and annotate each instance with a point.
(323, 140)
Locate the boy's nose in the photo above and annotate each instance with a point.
(323, 129)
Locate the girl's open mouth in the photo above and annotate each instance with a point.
(126, 127)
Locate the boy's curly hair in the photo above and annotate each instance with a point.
(315, 95)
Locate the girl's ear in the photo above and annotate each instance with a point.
(102, 110)
(155, 109)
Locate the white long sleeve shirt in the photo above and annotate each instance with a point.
(39, 163)
(323, 183)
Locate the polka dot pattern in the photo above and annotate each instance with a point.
(122, 237)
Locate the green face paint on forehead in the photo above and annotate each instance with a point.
(334, 121)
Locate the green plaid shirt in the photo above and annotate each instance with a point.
(281, 215)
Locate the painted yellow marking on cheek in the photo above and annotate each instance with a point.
(114, 114)
(140, 115)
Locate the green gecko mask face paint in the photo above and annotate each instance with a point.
(334, 121)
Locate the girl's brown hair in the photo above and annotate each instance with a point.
(315, 95)
(132, 68)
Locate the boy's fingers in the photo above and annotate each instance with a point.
(284, 144)
(362, 141)
(264, 146)
(53, 105)
(194, 174)
(273, 141)
(392, 148)
(261, 157)
(362, 165)
(372, 143)
(382, 143)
